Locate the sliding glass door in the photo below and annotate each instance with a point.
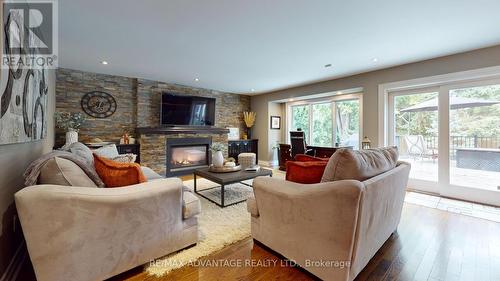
(415, 133)
(335, 121)
(451, 136)
(474, 140)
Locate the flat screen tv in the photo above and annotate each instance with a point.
(187, 110)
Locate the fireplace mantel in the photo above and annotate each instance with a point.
(182, 130)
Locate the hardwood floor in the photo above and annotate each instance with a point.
(430, 244)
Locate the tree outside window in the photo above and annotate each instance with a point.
(300, 119)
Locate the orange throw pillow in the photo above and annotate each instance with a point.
(116, 174)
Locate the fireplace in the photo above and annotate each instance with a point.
(186, 154)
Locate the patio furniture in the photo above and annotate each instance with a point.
(417, 147)
(486, 159)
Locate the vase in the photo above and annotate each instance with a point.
(218, 159)
(249, 133)
(71, 137)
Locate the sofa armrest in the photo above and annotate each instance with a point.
(305, 172)
(81, 233)
(308, 222)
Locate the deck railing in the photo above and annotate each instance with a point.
(460, 142)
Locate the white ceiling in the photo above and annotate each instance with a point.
(239, 45)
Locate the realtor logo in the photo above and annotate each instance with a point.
(29, 31)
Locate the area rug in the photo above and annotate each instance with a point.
(232, 193)
(218, 228)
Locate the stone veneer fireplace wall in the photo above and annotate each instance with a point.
(154, 148)
(138, 105)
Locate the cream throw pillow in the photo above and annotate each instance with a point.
(348, 164)
(125, 158)
(60, 171)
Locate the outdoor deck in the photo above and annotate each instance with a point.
(427, 169)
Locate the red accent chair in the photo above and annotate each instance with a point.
(305, 169)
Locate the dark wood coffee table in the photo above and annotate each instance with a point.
(227, 178)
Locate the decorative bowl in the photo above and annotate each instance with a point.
(224, 169)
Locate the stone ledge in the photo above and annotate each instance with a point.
(182, 130)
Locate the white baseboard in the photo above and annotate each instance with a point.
(15, 264)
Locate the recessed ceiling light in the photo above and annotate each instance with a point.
(253, 90)
(339, 93)
(291, 100)
(375, 60)
(328, 65)
(104, 62)
(196, 79)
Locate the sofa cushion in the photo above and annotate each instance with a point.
(348, 164)
(62, 171)
(109, 151)
(252, 206)
(83, 151)
(116, 174)
(191, 205)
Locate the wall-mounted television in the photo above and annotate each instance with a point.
(187, 110)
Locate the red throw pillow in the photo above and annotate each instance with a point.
(116, 174)
(305, 172)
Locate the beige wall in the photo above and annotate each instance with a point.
(273, 136)
(369, 82)
(14, 158)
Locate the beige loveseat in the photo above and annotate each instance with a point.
(331, 229)
(89, 233)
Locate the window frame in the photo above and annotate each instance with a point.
(332, 100)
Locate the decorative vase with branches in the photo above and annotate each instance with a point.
(70, 123)
(249, 118)
(217, 156)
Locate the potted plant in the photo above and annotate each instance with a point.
(217, 156)
(70, 123)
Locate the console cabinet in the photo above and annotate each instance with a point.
(235, 147)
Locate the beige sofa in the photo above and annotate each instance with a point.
(89, 233)
(331, 229)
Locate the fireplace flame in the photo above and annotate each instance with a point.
(186, 156)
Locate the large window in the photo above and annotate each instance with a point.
(328, 122)
(322, 126)
(347, 123)
(300, 119)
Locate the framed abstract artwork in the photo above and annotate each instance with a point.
(23, 92)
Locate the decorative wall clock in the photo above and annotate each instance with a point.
(98, 104)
